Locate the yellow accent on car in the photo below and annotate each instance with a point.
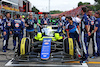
(39, 36)
(58, 37)
(53, 38)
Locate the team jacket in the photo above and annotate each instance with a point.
(6, 24)
(71, 28)
(84, 22)
(91, 22)
(30, 23)
(45, 20)
(17, 25)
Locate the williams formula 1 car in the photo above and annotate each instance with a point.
(48, 46)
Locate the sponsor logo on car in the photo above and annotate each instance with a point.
(46, 43)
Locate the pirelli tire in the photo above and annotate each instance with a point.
(69, 46)
(24, 46)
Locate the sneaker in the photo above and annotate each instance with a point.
(85, 61)
(93, 57)
(4, 51)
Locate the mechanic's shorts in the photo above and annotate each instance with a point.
(30, 34)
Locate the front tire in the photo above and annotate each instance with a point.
(69, 46)
(23, 48)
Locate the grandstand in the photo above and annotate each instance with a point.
(15, 7)
(72, 12)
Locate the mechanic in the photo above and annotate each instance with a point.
(72, 31)
(39, 21)
(23, 20)
(66, 21)
(29, 23)
(45, 20)
(60, 24)
(6, 31)
(36, 26)
(92, 19)
(52, 21)
(17, 26)
(56, 20)
(85, 34)
(96, 33)
(1, 28)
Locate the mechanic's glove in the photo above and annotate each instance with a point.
(64, 32)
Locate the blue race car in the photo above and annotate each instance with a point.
(48, 46)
